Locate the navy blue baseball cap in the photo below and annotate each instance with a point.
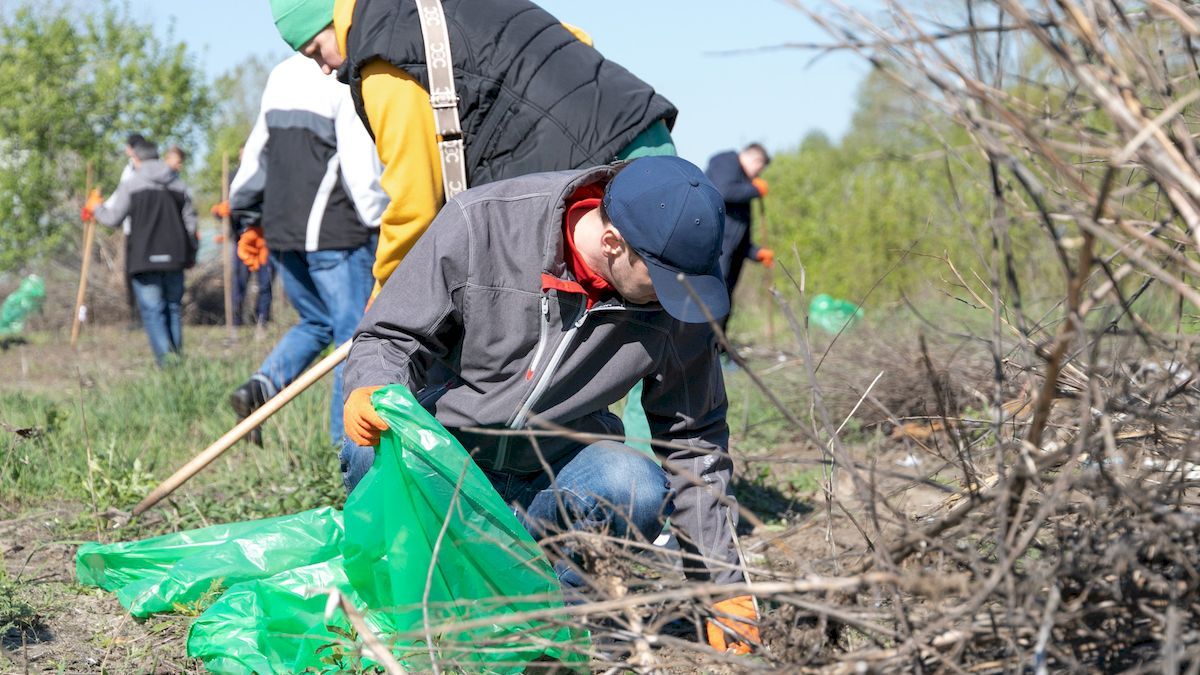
(674, 217)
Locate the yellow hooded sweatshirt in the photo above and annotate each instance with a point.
(398, 109)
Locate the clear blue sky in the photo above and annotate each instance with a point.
(725, 101)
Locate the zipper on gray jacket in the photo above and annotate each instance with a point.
(543, 337)
(543, 381)
(547, 374)
(543, 333)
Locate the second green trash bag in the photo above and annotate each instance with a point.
(833, 315)
(428, 549)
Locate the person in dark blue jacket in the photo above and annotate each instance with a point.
(737, 176)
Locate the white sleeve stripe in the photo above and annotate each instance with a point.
(312, 236)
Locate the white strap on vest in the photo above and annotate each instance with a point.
(442, 96)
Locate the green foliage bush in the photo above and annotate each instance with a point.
(236, 97)
(73, 85)
(881, 206)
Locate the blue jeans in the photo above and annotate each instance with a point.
(329, 290)
(241, 283)
(606, 487)
(160, 302)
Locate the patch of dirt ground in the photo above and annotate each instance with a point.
(77, 629)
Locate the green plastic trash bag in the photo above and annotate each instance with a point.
(831, 314)
(154, 575)
(418, 487)
(422, 494)
(274, 625)
(22, 302)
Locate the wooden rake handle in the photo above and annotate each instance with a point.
(89, 236)
(197, 463)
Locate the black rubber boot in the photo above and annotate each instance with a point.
(245, 400)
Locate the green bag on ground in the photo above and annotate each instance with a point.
(22, 302)
(832, 314)
(425, 547)
(154, 575)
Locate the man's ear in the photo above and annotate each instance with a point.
(612, 244)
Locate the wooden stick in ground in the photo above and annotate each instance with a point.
(768, 279)
(226, 250)
(200, 461)
(89, 236)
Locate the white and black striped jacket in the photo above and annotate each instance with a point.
(309, 166)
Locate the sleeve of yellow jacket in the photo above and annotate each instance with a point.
(406, 138)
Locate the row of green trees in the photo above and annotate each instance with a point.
(73, 86)
(873, 212)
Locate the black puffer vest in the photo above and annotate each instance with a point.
(531, 96)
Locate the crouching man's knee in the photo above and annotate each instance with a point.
(626, 491)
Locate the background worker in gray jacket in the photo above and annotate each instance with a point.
(160, 242)
(543, 299)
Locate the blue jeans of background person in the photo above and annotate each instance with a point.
(605, 487)
(160, 302)
(329, 290)
(241, 282)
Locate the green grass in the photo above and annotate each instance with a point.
(107, 427)
(15, 612)
(108, 444)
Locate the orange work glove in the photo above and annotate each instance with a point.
(220, 210)
(361, 422)
(94, 200)
(761, 185)
(745, 624)
(252, 248)
(767, 257)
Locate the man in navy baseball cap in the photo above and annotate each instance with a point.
(544, 299)
(674, 218)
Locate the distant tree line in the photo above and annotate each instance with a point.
(876, 211)
(73, 85)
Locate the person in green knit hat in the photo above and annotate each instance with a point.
(623, 117)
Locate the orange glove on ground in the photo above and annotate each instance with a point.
(252, 248)
(94, 200)
(767, 257)
(761, 185)
(745, 625)
(220, 210)
(361, 422)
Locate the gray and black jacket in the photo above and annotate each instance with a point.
(309, 166)
(161, 227)
(478, 296)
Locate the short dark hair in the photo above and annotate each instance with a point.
(617, 167)
(758, 147)
(144, 150)
(132, 140)
(179, 151)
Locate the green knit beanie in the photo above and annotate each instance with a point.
(299, 21)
